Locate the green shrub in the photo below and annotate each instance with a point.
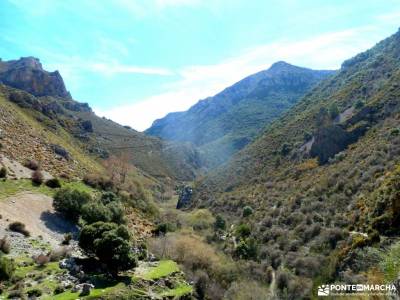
(94, 212)
(163, 228)
(285, 149)
(395, 132)
(333, 111)
(7, 268)
(359, 104)
(247, 211)
(59, 289)
(3, 172)
(219, 223)
(108, 197)
(69, 202)
(243, 230)
(53, 183)
(19, 227)
(247, 249)
(117, 212)
(34, 293)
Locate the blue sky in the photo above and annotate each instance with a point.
(135, 61)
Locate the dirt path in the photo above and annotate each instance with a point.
(37, 213)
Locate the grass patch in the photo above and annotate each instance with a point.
(12, 187)
(50, 268)
(181, 290)
(165, 268)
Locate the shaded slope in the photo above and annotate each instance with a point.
(223, 124)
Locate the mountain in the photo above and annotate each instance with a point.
(39, 114)
(27, 74)
(321, 184)
(223, 124)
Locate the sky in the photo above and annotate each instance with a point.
(135, 61)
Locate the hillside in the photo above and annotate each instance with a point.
(322, 181)
(223, 124)
(42, 102)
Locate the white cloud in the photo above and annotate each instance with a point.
(106, 68)
(325, 51)
(166, 3)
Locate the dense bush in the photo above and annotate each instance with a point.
(247, 249)
(110, 243)
(53, 183)
(247, 211)
(99, 182)
(34, 293)
(94, 212)
(219, 223)
(70, 201)
(243, 230)
(19, 227)
(3, 172)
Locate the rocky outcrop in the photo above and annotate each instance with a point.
(185, 197)
(27, 74)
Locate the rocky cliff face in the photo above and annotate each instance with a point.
(27, 74)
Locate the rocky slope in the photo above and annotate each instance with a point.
(223, 124)
(322, 178)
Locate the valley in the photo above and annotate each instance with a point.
(284, 182)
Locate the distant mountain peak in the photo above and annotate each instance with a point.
(223, 124)
(280, 64)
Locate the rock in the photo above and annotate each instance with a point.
(185, 197)
(27, 74)
(60, 151)
(86, 288)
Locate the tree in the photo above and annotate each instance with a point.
(333, 111)
(220, 223)
(94, 212)
(247, 249)
(108, 197)
(118, 167)
(70, 201)
(322, 117)
(110, 243)
(116, 212)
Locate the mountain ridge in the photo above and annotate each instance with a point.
(223, 124)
